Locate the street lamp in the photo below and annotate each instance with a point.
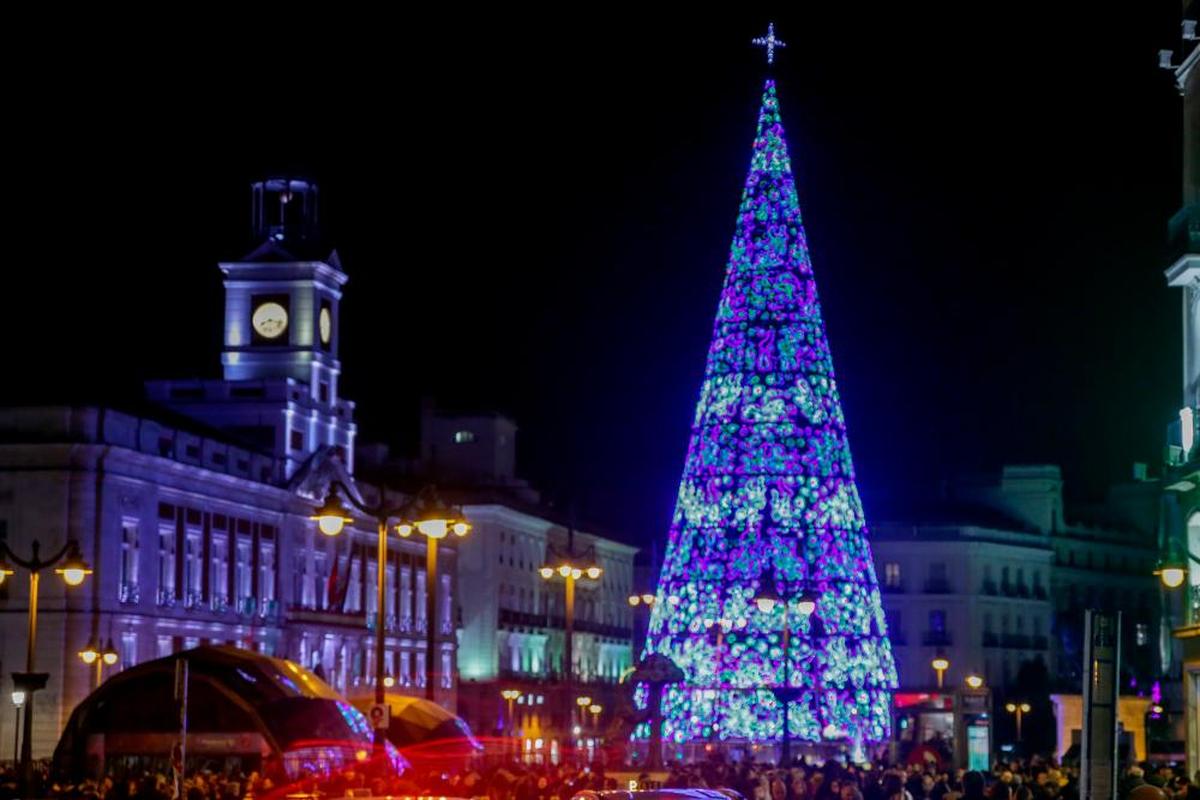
(1020, 709)
(68, 563)
(429, 516)
(974, 681)
(93, 655)
(595, 709)
(940, 664)
(767, 598)
(570, 568)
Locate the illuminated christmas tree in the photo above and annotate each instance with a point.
(768, 508)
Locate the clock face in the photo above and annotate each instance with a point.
(325, 325)
(270, 320)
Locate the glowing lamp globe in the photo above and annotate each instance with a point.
(332, 516)
(806, 605)
(404, 530)
(547, 572)
(576, 574)
(940, 664)
(595, 708)
(389, 681)
(461, 528)
(634, 599)
(5, 570)
(594, 572)
(510, 694)
(1026, 708)
(765, 604)
(18, 698)
(565, 570)
(648, 599)
(109, 654)
(1172, 577)
(89, 654)
(74, 570)
(434, 528)
(1010, 707)
(583, 701)
(974, 681)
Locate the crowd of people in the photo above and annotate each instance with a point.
(1032, 779)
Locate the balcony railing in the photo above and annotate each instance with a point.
(166, 597)
(246, 606)
(895, 587)
(989, 587)
(219, 603)
(129, 595)
(937, 586)
(936, 638)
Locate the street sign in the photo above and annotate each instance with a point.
(380, 715)
(1102, 670)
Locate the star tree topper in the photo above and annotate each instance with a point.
(770, 42)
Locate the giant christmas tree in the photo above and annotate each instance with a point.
(768, 507)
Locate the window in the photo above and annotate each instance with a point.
(464, 437)
(244, 572)
(266, 573)
(166, 566)
(937, 571)
(406, 598)
(193, 568)
(421, 600)
(129, 562)
(987, 623)
(129, 653)
(937, 621)
(164, 646)
(297, 440)
(891, 574)
(1142, 634)
(219, 570)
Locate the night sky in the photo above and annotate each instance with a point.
(535, 215)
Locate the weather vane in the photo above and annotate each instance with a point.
(770, 42)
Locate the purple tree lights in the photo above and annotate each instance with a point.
(768, 500)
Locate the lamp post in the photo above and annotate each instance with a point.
(595, 709)
(766, 600)
(68, 563)
(93, 655)
(940, 664)
(18, 700)
(426, 514)
(1020, 709)
(571, 568)
(511, 696)
(638, 602)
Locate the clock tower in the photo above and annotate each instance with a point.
(280, 337)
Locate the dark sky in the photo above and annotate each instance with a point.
(535, 214)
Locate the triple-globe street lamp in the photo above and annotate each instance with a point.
(571, 568)
(426, 514)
